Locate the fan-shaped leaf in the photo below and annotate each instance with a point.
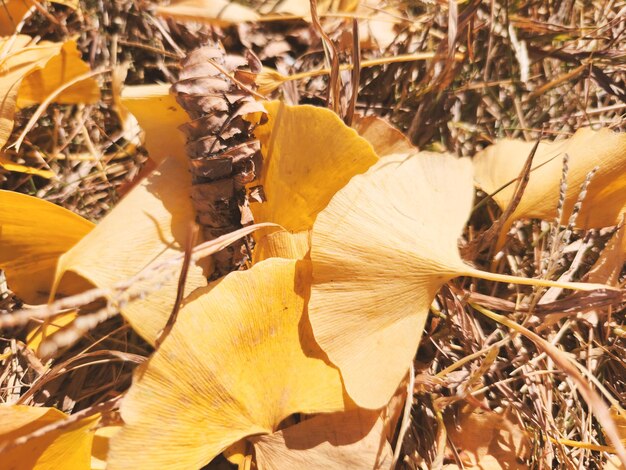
(606, 196)
(33, 235)
(150, 223)
(238, 361)
(64, 447)
(381, 250)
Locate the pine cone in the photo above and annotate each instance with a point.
(224, 155)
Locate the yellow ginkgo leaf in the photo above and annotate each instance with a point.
(13, 11)
(33, 235)
(381, 250)
(282, 244)
(18, 57)
(150, 223)
(68, 446)
(308, 155)
(352, 440)
(159, 116)
(239, 360)
(58, 71)
(605, 201)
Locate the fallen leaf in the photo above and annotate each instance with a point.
(605, 200)
(65, 447)
(159, 116)
(238, 361)
(381, 250)
(282, 244)
(353, 440)
(308, 155)
(33, 234)
(59, 70)
(486, 440)
(19, 57)
(151, 223)
(13, 11)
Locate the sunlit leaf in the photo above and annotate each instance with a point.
(381, 250)
(351, 440)
(238, 361)
(13, 11)
(33, 235)
(487, 440)
(65, 447)
(20, 56)
(308, 155)
(606, 198)
(159, 116)
(152, 222)
(282, 244)
(59, 70)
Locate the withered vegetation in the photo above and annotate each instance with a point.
(499, 70)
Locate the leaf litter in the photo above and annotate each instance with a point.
(440, 104)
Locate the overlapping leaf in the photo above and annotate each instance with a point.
(19, 57)
(151, 223)
(239, 360)
(29, 74)
(353, 439)
(62, 68)
(605, 201)
(13, 11)
(33, 235)
(381, 250)
(159, 116)
(308, 155)
(67, 446)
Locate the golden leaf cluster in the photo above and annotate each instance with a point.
(327, 320)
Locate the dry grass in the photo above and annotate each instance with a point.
(529, 67)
